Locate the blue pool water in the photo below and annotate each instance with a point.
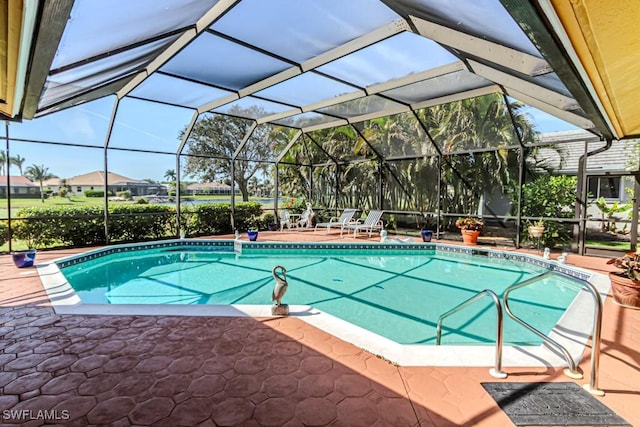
(399, 295)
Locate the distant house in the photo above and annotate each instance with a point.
(21, 187)
(95, 181)
(208, 188)
(609, 173)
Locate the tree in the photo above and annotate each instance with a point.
(18, 161)
(3, 161)
(214, 139)
(170, 175)
(484, 122)
(39, 174)
(550, 196)
(63, 189)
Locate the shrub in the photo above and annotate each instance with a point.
(549, 196)
(96, 193)
(60, 225)
(268, 219)
(132, 223)
(50, 226)
(4, 232)
(247, 215)
(124, 194)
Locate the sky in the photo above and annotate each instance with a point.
(139, 124)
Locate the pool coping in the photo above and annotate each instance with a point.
(569, 331)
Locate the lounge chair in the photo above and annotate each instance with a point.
(345, 219)
(372, 222)
(306, 218)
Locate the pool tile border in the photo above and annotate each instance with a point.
(256, 247)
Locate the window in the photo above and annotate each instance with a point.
(79, 189)
(604, 186)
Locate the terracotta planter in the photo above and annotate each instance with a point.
(626, 292)
(535, 231)
(470, 237)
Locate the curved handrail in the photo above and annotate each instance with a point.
(597, 327)
(497, 370)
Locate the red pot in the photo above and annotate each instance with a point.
(626, 292)
(470, 236)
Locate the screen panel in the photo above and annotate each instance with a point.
(316, 27)
(146, 125)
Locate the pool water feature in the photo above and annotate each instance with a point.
(395, 293)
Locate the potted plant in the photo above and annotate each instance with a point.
(536, 230)
(270, 221)
(625, 284)
(470, 228)
(252, 233)
(426, 230)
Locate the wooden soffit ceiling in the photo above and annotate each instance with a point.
(606, 40)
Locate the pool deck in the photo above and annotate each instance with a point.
(178, 370)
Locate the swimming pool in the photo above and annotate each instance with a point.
(392, 291)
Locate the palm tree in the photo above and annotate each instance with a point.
(170, 175)
(18, 161)
(39, 174)
(3, 161)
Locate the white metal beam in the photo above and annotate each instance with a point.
(286, 149)
(457, 97)
(220, 8)
(244, 141)
(333, 124)
(278, 116)
(363, 41)
(373, 89)
(536, 91)
(567, 116)
(416, 77)
(506, 56)
(397, 109)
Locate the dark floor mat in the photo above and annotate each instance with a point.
(545, 404)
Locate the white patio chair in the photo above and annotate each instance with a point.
(306, 219)
(285, 220)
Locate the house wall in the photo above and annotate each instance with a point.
(21, 192)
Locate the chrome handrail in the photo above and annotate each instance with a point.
(592, 387)
(497, 370)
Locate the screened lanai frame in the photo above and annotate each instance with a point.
(473, 59)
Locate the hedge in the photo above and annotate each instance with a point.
(4, 232)
(53, 226)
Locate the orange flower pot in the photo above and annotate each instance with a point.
(626, 292)
(470, 237)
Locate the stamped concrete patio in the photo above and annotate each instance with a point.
(163, 370)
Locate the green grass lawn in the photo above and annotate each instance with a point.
(608, 244)
(17, 204)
